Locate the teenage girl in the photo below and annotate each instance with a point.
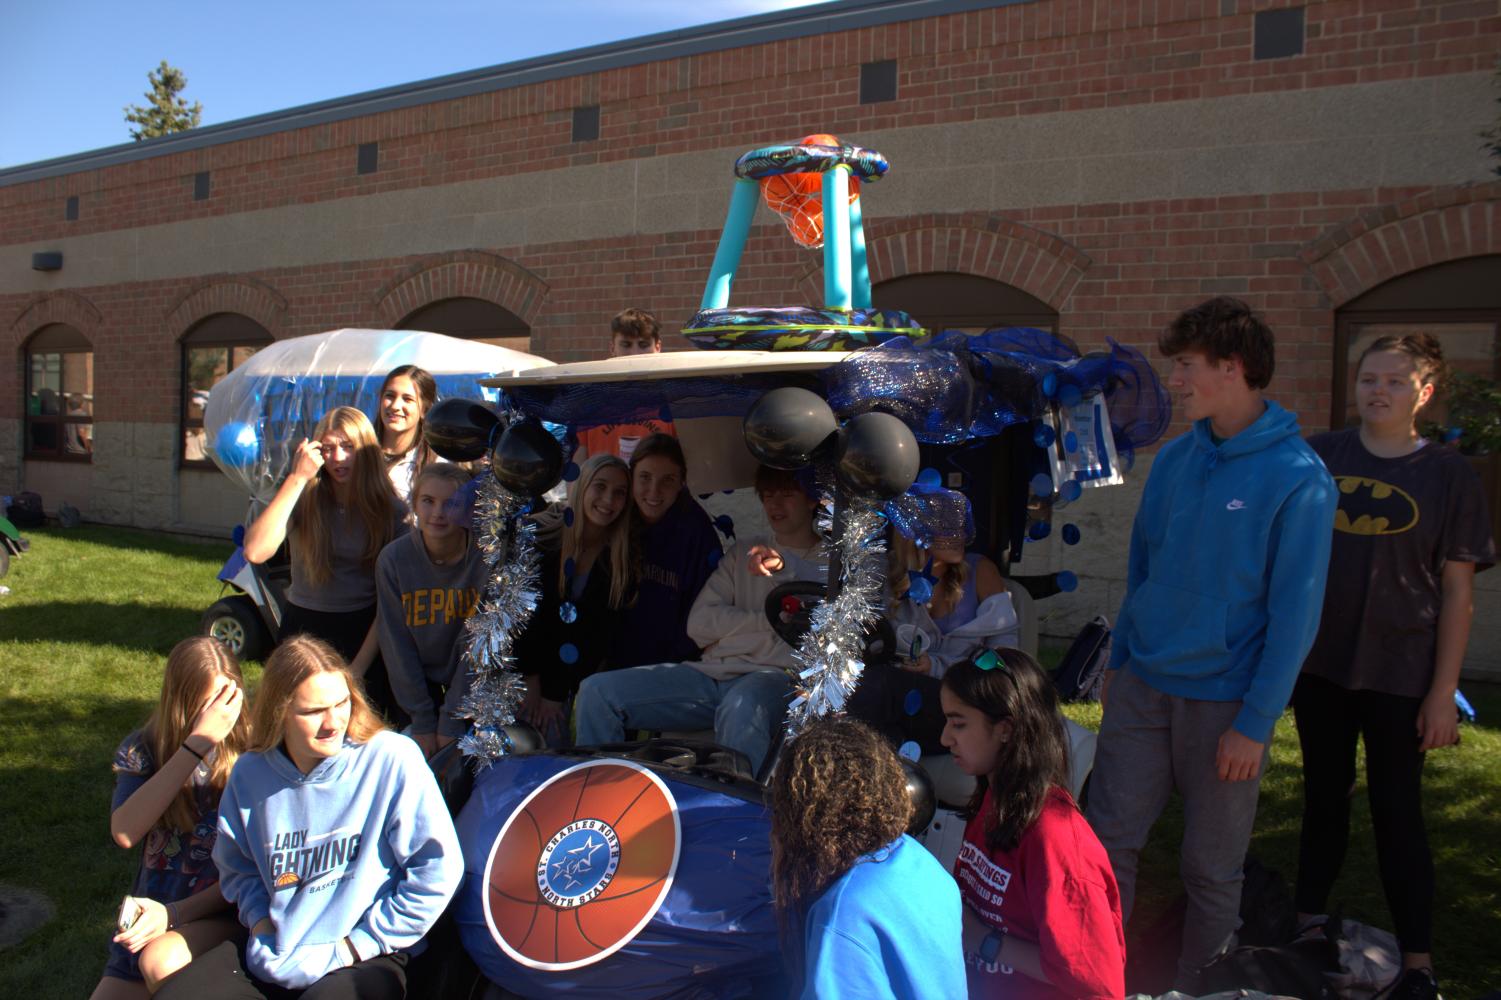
(428, 584)
(335, 847)
(1042, 914)
(966, 609)
(169, 775)
(596, 547)
(339, 510)
(405, 397)
(865, 910)
(678, 549)
(1410, 534)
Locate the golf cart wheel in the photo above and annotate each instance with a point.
(235, 622)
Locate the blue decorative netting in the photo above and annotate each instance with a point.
(926, 512)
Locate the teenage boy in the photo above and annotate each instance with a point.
(741, 684)
(1228, 558)
(632, 331)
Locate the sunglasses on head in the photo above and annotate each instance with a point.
(990, 659)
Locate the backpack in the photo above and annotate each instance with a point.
(1081, 672)
(1300, 969)
(25, 510)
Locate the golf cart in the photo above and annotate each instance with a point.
(259, 413)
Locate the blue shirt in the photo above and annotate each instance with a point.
(890, 927)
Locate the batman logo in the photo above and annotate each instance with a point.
(1371, 507)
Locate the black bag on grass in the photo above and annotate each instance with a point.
(25, 510)
(1081, 672)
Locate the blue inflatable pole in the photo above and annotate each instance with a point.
(731, 242)
(859, 269)
(836, 238)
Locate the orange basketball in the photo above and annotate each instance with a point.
(582, 865)
(798, 198)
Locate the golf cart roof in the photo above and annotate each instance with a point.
(673, 364)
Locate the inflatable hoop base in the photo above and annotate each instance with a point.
(798, 328)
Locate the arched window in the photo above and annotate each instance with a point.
(215, 346)
(472, 319)
(950, 301)
(1459, 303)
(59, 395)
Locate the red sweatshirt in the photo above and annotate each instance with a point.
(1056, 890)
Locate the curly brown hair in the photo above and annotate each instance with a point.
(838, 792)
(1222, 328)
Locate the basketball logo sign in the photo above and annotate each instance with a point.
(582, 865)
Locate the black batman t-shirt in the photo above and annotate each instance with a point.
(1399, 520)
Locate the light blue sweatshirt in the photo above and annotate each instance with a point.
(360, 847)
(1229, 555)
(890, 927)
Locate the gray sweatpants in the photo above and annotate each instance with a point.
(1150, 744)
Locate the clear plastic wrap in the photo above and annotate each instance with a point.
(260, 412)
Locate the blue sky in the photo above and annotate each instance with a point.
(68, 68)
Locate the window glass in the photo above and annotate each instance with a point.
(210, 351)
(59, 395)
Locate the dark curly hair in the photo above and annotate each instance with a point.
(838, 792)
(1034, 759)
(1224, 328)
(1423, 349)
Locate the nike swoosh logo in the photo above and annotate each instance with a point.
(1235, 505)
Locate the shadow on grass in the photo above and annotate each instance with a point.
(150, 628)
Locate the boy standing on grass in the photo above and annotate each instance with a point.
(632, 331)
(1229, 554)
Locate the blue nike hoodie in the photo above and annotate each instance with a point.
(361, 847)
(1229, 555)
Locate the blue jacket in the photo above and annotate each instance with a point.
(890, 927)
(1229, 554)
(362, 846)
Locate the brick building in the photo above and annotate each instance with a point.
(1089, 165)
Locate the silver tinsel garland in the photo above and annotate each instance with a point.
(832, 650)
(506, 542)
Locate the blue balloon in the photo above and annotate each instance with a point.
(1070, 534)
(237, 445)
(568, 653)
(1068, 581)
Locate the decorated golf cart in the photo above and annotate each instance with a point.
(640, 869)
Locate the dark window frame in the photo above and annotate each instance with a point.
(68, 340)
(195, 338)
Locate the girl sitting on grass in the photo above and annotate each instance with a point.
(1042, 914)
(865, 910)
(169, 775)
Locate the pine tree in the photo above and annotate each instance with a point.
(165, 112)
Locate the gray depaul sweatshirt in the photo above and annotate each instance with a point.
(422, 609)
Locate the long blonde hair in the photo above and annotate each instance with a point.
(905, 556)
(617, 535)
(293, 662)
(192, 668)
(371, 499)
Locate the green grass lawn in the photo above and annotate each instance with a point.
(92, 613)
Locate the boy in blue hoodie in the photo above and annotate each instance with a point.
(1229, 554)
(334, 845)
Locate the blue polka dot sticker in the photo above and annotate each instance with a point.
(1069, 395)
(909, 751)
(1043, 436)
(1042, 485)
(568, 567)
(930, 478)
(570, 472)
(568, 516)
(1070, 442)
(714, 556)
(912, 704)
(568, 653)
(1068, 581)
(1070, 534)
(1070, 490)
(1050, 384)
(1039, 530)
(568, 612)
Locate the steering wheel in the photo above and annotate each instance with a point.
(789, 609)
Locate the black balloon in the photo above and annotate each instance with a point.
(527, 460)
(920, 794)
(459, 429)
(787, 425)
(877, 456)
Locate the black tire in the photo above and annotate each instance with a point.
(236, 622)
